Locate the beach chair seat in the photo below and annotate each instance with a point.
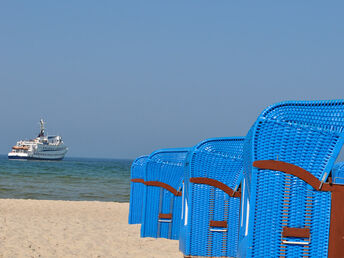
(211, 198)
(162, 195)
(136, 190)
(289, 209)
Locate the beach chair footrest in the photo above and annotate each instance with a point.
(165, 217)
(218, 226)
(296, 233)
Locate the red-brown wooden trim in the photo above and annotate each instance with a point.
(163, 185)
(336, 240)
(218, 224)
(215, 183)
(138, 180)
(289, 169)
(296, 232)
(165, 215)
(298, 172)
(328, 187)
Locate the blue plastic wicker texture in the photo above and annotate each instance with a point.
(166, 166)
(136, 190)
(183, 233)
(308, 134)
(219, 159)
(338, 173)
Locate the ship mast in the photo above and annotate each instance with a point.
(41, 133)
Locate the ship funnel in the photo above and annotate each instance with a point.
(41, 133)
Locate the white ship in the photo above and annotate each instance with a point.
(41, 148)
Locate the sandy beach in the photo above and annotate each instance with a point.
(37, 228)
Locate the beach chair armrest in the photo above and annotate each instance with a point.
(215, 183)
(289, 169)
(165, 186)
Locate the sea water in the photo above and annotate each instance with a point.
(77, 179)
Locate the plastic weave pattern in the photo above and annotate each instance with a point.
(136, 190)
(210, 217)
(308, 134)
(338, 173)
(161, 207)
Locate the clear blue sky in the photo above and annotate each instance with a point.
(122, 78)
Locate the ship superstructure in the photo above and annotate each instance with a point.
(41, 148)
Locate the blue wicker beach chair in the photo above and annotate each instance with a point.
(162, 195)
(136, 189)
(288, 207)
(211, 200)
(338, 173)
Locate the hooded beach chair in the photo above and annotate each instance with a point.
(338, 173)
(211, 200)
(136, 190)
(162, 195)
(288, 207)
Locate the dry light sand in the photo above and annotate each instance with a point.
(31, 228)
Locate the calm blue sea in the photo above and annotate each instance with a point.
(69, 179)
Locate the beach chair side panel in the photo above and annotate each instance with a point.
(217, 159)
(338, 173)
(184, 239)
(136, 190)
(306, 134)
(162, 202)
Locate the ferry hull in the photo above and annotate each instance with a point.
(26, 157)
(17, 157)
(32, 158)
